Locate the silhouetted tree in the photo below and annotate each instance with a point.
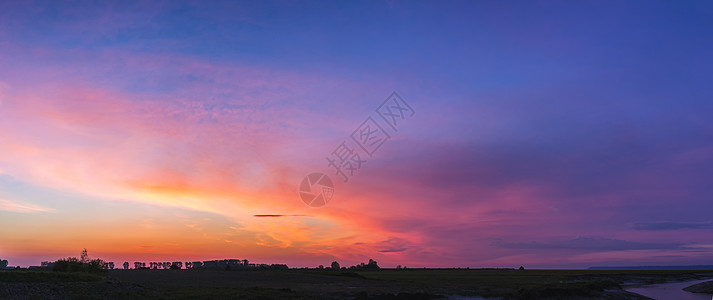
(335, 265)
(97, 265)
(372, 264)
(521, 268)
(3, 263)
(84, 257)
(126, 265)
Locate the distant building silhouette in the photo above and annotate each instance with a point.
(222, 264)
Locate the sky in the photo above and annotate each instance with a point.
(547, 134)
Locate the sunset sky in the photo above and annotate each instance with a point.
(549, 134)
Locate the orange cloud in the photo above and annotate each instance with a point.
(230, 158)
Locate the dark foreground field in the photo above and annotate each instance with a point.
(323, 284)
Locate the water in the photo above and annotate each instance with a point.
(672, 290)
(459, 297)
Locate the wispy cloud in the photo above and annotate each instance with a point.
(393, 245)
(589, 243)
(393, 250)
(19, 207)
(278, 216)
(147, 247)
(672, 225)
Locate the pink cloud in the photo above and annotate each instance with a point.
(237, 157)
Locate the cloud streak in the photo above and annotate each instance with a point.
(19, 207)
(278, 216)
(660, 226)
(591, 244)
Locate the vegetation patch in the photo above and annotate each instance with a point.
(40, 276)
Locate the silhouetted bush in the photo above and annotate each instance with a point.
(72, 264)
(372, 265)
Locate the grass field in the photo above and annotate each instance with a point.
(327, 284)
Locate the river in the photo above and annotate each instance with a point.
(672, 290)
